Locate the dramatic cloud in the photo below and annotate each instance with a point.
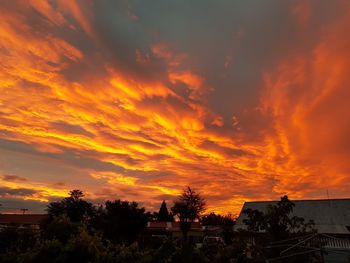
(125, 99)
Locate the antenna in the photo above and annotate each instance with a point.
(327, 194)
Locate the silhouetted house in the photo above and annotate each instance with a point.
(331, 220)
(331, 216)
(159, 228)
(22, 220)
(172, 229)
(195, 234)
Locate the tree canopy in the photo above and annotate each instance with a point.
(123, 221)
(74, 207)
(116, 232)
(277, 220)
(188, 207)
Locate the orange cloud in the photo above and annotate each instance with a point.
(308, 99)
(146, 130)
(191, 80)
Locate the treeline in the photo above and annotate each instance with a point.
(80, 232)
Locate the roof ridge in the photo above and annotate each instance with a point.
(299, 200)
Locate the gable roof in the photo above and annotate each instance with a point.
(331, 216)
(22, 219)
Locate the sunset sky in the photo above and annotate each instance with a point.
(241, 100)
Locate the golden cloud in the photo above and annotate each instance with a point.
(159, 135)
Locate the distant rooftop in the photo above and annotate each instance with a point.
(171, 226)
(22, 219)
(331, 216)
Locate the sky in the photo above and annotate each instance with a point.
(240, 100)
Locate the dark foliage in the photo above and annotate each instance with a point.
(226, 223)
(114, 233)
(74, 207)
(212, 220)
(278, 224)
(61, 228)
(123, 221)
(277, 220)
(163, 215)
(13, 239)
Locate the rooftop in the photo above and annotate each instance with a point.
(23, 219)
(329, 215)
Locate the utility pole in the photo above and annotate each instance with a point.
(24, 210)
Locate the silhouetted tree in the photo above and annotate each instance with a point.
(277, 220)
(74, 207)
(212, 220)
(226, 223)
(123, 221)
(61, 228)
(278, 224)
(188, 207)
(163, 215)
